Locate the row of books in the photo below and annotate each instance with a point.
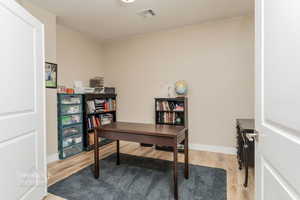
(169, 106)
(169, 118)
(101, 105)
(96, 121)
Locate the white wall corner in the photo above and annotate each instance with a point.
(52, 158)
(216, 149)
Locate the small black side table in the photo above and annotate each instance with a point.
(245, 147)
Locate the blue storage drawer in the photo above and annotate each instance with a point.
(72, 130)
(70, 127)
(72, 140)
(70, 109)
(67, 120)
(66, 99)
(70, 151)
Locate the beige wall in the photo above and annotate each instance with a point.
(215, 58)
(77, 56)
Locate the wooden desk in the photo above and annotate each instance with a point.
(165, 135)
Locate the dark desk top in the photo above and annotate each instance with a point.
(144, 129)
(246, 124)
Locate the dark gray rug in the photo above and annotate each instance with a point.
(139, 178)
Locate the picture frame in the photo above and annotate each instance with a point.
(51, 75)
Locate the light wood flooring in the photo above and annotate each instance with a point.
(235, 190)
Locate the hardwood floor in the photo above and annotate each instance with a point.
(235, 190)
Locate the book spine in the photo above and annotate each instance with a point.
(89, 123)
(94, 122)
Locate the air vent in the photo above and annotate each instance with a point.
(146, 13)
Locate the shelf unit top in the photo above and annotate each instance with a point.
(179, 111)
(171, 99)
(98, 96)
(99, 113)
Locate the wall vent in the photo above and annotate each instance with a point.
(146, 13)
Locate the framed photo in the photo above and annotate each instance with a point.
(51, 75)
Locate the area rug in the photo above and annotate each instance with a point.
(140, 178)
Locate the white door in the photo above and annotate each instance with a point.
(278, 99)
(22, 112)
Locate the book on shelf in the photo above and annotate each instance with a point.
(169, 106)
(169, 118)
(101, 105)
(96, 121)
(106, 119)
(91, 138)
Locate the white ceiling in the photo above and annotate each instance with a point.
(109, 19)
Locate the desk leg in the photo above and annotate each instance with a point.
(246, 164)
(186, 155)
(175, 172)
(96, 154)
(118, 152)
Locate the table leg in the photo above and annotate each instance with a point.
(175, 172)
(246, 164)
(240, 147)
(118, 152)
(186, 155)
(96, 154)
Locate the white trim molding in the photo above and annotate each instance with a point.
(216, 149)
(52, 158)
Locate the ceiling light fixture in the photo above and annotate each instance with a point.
(128, 1)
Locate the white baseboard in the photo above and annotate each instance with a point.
(52, 158)
(216, 149)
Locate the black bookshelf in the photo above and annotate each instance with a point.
(88, 132)
(171, 111)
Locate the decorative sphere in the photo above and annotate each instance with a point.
(178, 120)
(181, 87)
